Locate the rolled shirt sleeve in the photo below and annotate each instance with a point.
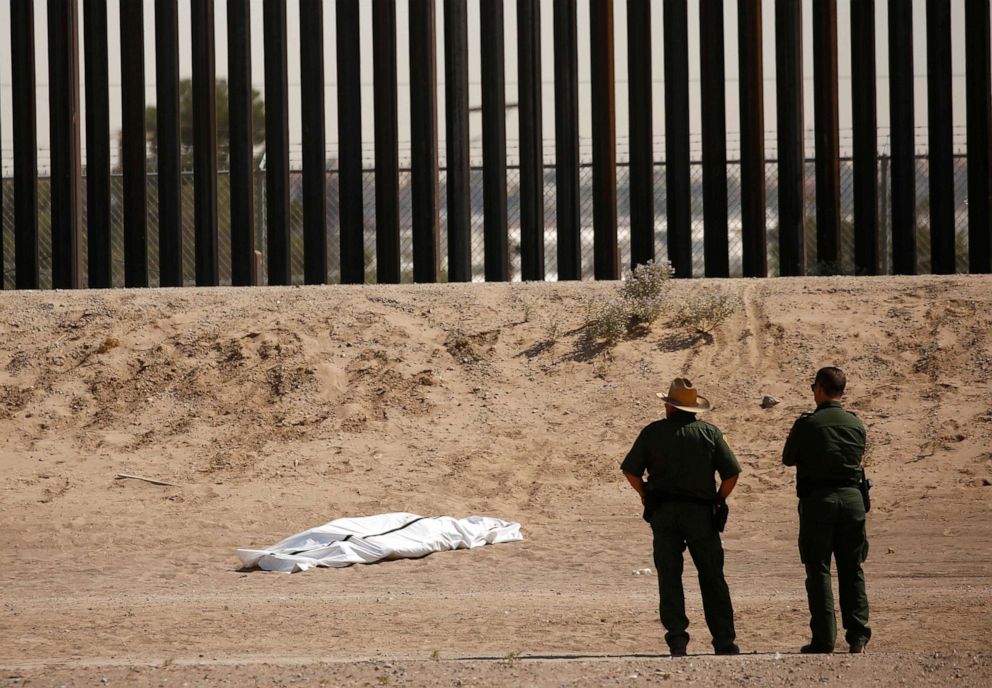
(790, 453)
(636, 460)
(724, 461)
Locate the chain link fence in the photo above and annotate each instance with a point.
(734, 191)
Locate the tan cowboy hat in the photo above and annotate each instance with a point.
(682, 395)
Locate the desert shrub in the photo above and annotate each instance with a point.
(706, 310)
(645, 291)
(610, 321)
(638, 302)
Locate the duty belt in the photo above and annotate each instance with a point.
(808, 487)
(663, 497)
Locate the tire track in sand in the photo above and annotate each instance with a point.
(738, 349)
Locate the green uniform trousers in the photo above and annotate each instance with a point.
(832, 522)
(677, 525)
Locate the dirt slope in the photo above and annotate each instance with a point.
(278, 409)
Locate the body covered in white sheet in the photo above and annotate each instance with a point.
(368, 539)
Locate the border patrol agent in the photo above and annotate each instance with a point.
(684, 507)
(826, 447)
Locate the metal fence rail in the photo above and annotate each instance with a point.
(735, 193)
(820, 217)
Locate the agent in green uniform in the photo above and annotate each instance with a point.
(826, 447)
(681, 455)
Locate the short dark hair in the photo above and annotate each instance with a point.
(832, 380)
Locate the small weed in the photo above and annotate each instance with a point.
(522, 303)
(609, 322)
(555, 328)
(707, 310)
(436, 656)
(638, 303)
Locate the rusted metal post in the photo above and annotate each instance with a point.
(423, 130)
(606, 257)
(205, 144)
(63, 91)
(458, 181)
(941, 132)
(387, 203)
(714, 115)
(314, 142)
(26, 260)
(239, 106)
(866, 234)
(827, 137)
(496, 241)
(567, 140)
(276, 143)
(98, 248)
(133, 143)
(979, 120)
(168, 145)
(903, 137)
(677, 184)
(754, 235)
(351, 204)
(641, 132)
(531, 140)
(789, 108)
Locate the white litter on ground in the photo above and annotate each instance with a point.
(368, 539)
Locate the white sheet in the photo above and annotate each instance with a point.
(368, 539)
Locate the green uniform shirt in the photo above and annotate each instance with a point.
(680, 455)
(826, 448)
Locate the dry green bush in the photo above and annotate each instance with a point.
(646, 291)
(639, 301)
(706, 310)
(609, 322)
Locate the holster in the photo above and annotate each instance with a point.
(718, 507)
(865, 486)
(651, 503)
(720, 513)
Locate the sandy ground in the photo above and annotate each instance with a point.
(274, 410)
